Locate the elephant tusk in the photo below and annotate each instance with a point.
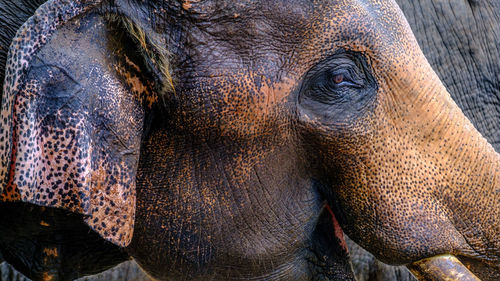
(441, 268)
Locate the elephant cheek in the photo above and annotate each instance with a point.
(76, 131)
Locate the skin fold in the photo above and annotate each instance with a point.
(327, 102)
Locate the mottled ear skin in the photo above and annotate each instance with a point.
(71, 128)
(14, 14)
(72, 118)
(52, 244)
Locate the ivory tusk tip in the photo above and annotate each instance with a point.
(441, 268)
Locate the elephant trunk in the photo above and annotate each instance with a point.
(464, 170)
(470, 192)
(438, 188)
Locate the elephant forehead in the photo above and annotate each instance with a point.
(242, 63)
(301, 31)
(283, 41)
(377, 29)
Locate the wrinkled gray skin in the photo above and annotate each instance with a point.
(461, 40)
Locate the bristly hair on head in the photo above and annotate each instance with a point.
(156, 53)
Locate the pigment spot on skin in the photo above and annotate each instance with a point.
(186, 4)
(50, 252)
(47, 276)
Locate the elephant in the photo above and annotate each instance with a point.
(241, 151)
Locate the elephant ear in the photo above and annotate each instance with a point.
(71, 125)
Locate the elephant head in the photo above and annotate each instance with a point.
(238, 140)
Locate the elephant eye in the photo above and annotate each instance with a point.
(344, 77)
(334, 84)
(338, 78)
(341, 87)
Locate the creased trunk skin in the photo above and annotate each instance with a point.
(461, 41)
